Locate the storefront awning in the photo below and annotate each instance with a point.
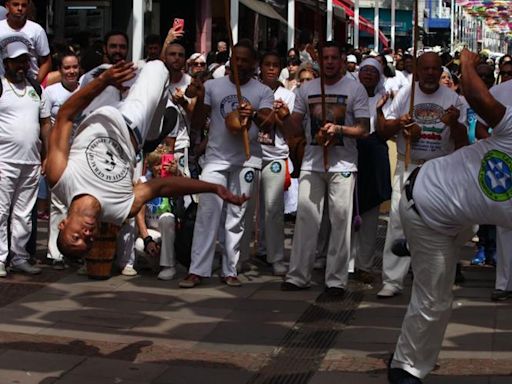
(263, 9)
(364, 24)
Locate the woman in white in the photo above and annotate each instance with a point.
(69, 68)
(273, 173)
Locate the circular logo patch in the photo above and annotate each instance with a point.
(107, 160)
(229, 104)
(249, 176)
(181, 161)
(33, 95)
(346, 174)
(428, 113)
(495, 176)
(275, 167)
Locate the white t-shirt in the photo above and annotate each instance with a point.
(36, 35)
(57, 95)
(20, 141)
(272, 143)
(393, 84)
(428, 108)
(3, 13)
(182, 131)
(345, 101)
(224, 148)
(471, 186)
(101, 164)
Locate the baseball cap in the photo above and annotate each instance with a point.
(351, 59)
(15, 49)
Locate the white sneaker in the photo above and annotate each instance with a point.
(3, 272)
(279, 268)
(167, 273)
(388, 291)
(25, 267)
(128, 270)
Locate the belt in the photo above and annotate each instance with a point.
(416, 162)
(137, 136)
(136, 133)
(409, 187)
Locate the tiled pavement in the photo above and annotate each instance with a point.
(140, 331)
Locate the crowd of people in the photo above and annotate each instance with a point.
(188, 153)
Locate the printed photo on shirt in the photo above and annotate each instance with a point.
(336, 107)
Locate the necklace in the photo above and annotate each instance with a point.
(14, 90)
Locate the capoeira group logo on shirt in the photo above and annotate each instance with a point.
(495, 176)
(229, 104)
(336, 108)
(104, 156)
(249, 176)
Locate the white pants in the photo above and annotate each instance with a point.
(145, 104)
(364, 241)
(125, 241)
(164, 235)
(19, 184)
(208, 219)
(394, 268)
(58, 212)
(504, 258)
(434, 259)
(312, 192)
(271, 213)
(250, 211)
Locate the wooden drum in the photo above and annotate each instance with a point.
(101, 257)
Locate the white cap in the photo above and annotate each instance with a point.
(389, 59)
(15, 49)
(351, 59)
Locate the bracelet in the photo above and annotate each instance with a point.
(254, 114)
(147, 240)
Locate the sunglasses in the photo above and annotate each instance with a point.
(199, 64)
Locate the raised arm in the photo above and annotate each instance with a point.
(476, 92)
(59, 141)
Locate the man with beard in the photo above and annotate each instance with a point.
(24, 127)
(179, 138)
(347, 118)
(226, 164)
(435, 129)
(37, 41)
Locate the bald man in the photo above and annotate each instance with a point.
(436, 130)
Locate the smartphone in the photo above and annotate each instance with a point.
(178, 24)
(166, 159)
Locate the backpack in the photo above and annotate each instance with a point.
(33, 82)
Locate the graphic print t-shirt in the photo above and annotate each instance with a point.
(428, 110)
(345, 102)
(224, 148)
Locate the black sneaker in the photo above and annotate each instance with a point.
(400, 248)
(500, 295)
(287, 286)
(334, 291)
(401, 376)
